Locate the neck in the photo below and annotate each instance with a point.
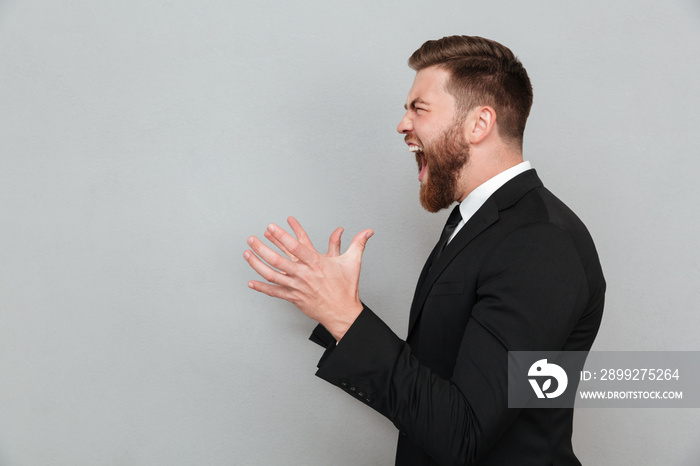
(484, 165)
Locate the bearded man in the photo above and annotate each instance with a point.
(514, 270)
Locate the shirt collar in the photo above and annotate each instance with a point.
(476, 198)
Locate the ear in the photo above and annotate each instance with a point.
(480, 123)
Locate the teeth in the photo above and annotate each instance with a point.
(415, 149)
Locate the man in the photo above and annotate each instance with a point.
(515, 270)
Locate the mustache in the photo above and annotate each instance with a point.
(408, 139)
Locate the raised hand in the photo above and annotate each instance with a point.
(325, 287)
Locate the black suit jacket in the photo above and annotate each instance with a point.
(521, 275)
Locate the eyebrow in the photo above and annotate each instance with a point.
(415, 101)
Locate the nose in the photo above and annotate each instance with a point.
(405, 125)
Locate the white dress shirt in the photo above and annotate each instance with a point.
(476, 198)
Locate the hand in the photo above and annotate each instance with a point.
(325, 287)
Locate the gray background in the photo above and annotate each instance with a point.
(142, 142)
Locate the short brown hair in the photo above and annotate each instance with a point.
(483, 72)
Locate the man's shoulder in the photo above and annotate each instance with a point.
(525, 201)
(527, 197)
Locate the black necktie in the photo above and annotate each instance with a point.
(452, 222)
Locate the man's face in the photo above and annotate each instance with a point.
(434, 134)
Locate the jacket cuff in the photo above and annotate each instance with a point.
(360, 364)
(323, 337)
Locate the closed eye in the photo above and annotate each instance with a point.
(413, 105)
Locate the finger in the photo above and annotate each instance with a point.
(269, 236)
(334, 243)
(300, 232)
(302, 252)
(266, 272)
(276, 291)
(357, 247)
(270, 256)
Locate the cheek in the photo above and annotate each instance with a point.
(427, 136)
(422, 130)
(422, 138)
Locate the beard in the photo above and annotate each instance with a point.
(444, 159)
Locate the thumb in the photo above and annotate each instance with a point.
(334, 243)
(357, 247)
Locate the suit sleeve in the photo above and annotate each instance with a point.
(530, 293)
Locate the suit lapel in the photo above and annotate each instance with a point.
(482, 219)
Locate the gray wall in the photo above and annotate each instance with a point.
(141, 142)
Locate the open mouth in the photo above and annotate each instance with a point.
(420, 159)
(422, 164)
